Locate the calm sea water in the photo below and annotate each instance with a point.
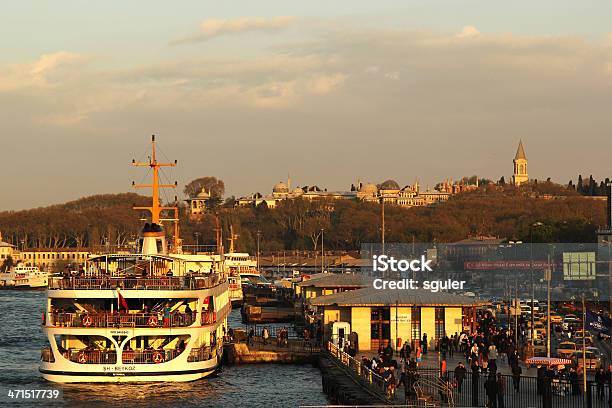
(260, 385)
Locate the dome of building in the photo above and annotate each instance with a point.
(369, 189)
(389, 185)
(298, 190)
(203, 194)
(280, 187)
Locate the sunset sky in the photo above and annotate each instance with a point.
(327, 91)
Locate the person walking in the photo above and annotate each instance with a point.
(419, 353)
(265, 334)
(250, 337)
(460, 373)
(475, 381)
(444, 346)
(491, 390)
(493, 358)
(424, 343)
(600, 379)
(516, 376)
(574, 381)
(501, 390)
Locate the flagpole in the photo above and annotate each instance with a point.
(584, 371)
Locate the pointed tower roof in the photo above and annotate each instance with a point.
(520, 152)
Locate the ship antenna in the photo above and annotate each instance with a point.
(155, 209)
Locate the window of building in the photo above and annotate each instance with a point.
(380, 320)
(439, 316)
(415, 322)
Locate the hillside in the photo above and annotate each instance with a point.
(296, 224)
(83, 222)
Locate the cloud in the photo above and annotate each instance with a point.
(37, 73)
(468, 31)
(454, 98)
(212, 28)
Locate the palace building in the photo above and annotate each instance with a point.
(199, 203)
(389, 191)
(520, 175)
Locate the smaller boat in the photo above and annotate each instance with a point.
(24, 277)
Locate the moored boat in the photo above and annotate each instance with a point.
(24, 277)
(154, 315)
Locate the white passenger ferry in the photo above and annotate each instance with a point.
(154, 315)
(24, 277)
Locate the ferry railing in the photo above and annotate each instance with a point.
(137, 283)
(177, 319)
(46, 355)
(149, 356)
(371, 380)
(200, 354)
(94, 356)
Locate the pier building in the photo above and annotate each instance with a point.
(380, 317)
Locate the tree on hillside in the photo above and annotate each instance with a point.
(211, 184)
(6, 264)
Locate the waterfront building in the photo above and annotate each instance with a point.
(48, 258)
(520, 175)
(323, 284)
(380, 317)
(6, 250)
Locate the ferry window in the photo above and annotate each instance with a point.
(160, 247)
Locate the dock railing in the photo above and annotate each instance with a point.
(368, 378)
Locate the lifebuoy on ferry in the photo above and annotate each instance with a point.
(158, 357)
(87, 320)
(153, 321)
(82, 358)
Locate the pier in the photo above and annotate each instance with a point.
(289, 348)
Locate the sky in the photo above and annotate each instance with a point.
(327, 92)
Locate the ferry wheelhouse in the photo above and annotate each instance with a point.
(238, 265)
(153, 315)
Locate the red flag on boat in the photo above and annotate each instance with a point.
(122, 302)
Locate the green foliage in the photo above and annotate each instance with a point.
(81, 223)
(210, 184)
(491, 210)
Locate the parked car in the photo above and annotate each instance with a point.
(570, 322)
(566, 349)
(591, 362)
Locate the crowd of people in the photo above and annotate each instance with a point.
(483, 353)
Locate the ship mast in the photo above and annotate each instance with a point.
(156, 209)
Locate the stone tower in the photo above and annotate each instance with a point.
(520, 166)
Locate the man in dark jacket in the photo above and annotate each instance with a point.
(600, 379)
(491, 390)
(475, 380)
(516, 376)
(408, 379)
(460, 373)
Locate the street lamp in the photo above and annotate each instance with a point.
(258, 236)
(536, 224)
(322, 251)
(197, 235)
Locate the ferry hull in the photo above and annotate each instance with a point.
(210, 367)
